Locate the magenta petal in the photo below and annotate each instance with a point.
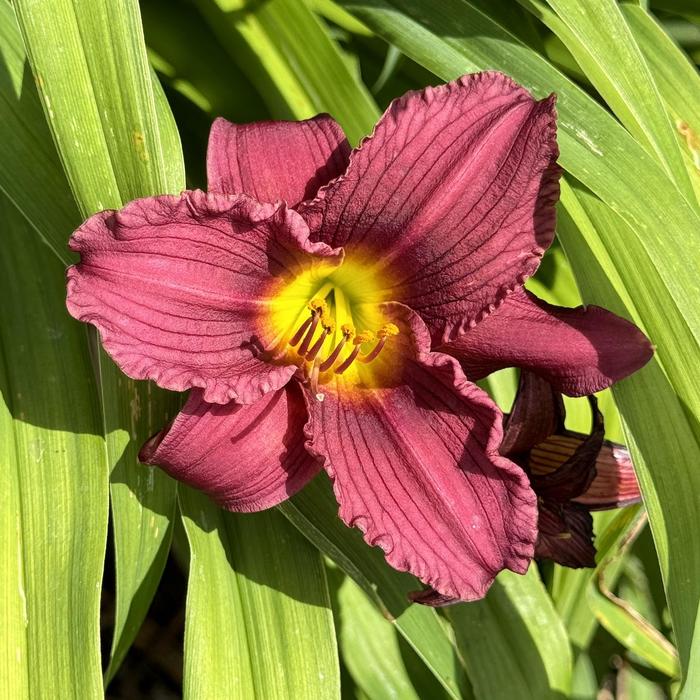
(454, 192)
(178, 285)
(416, 468)
(246, 458)
(579, 351)
(615, 484)
(276, 160)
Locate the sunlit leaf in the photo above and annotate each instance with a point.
(259, 623)
(53, 502)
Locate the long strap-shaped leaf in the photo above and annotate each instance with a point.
(677, 79)
(98, 95)
(53, 499)
(659, 426)
(596, 33)
(292, 59)
(259, 623)
(514, 642)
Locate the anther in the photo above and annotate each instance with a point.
(386, 331)
(358, 340)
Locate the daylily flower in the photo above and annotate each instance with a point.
(572, 475)
(302, 298)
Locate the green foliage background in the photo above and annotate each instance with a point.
(102, 101)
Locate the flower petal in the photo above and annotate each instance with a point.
(177, 287)
(538, 411)
(246, 458)
(579, 351)
(416, 467)
(559, 476)
(565, 535)
(276, 160)
(454, 192)
(615, 484)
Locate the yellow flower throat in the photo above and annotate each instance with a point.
(329, 322)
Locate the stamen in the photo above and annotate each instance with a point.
(386, 331)
(348, 332)
(364, 337)
(302, 329)
(304, 347)
(316, 347)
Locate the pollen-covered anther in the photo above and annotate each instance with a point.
(319, 312)
(386, 331)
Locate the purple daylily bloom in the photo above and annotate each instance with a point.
(303, 300)
(572, 475)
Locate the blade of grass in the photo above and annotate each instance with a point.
(259, 623)
(371, 648)
(676, 77)
(53, 503)
(28, 159)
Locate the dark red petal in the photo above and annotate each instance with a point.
(276, 160)
(576, 471)
(416, 468)
(579, 351)
(615, 484)
(246, 458)
(538, 411)
(454, 193)
(178, 285)
(565, 535)
(432, 598)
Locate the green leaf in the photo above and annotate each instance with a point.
(117, 141)
(259, 623)
(663, 458)
(26, 148)
(514, 642)
(598, 37)
(314, 512)
(676, 78)
(621, 619)
(289, 55)
(370, 647)
(53, 502)
(95, 83)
